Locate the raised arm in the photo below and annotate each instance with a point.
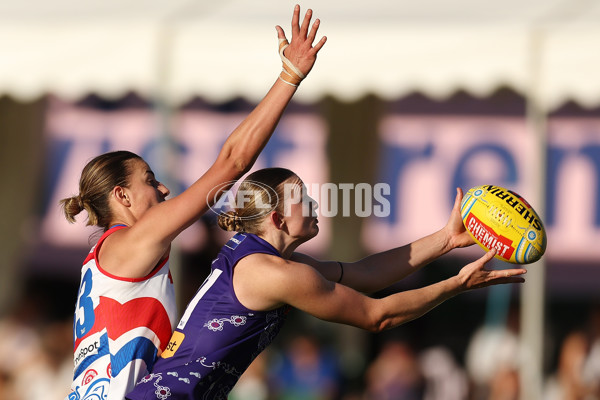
(267, 282)
(152, 234)
(380, 270)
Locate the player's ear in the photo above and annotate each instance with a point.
(121, 196)
(276, 219)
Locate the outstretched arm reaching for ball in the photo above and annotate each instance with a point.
(264, 282)
(380, 270)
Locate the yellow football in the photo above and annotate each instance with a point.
(499, 218)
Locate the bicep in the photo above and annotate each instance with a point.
(163, 222)
(307, 290)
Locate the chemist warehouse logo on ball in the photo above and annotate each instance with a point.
(328, 200)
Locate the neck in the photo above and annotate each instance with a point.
(282, 243)
(121, 215)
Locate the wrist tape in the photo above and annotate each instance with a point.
(289, 74)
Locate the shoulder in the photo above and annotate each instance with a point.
(266, 265)
(123, 254)
(258, 279)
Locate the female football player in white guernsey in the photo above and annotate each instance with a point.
(126, 310)
(257, 276)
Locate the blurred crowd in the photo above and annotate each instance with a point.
(36, 363)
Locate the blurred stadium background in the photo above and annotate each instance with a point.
(423, 97)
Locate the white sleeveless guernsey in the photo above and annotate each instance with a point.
(120, 327)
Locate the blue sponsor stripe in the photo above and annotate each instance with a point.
(139, 348)
(87, 361)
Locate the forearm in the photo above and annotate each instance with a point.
(403, 307)
(237, 156)
(380, 270)
(244, 144)
(298, 56)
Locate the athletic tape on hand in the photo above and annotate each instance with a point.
(289, 74)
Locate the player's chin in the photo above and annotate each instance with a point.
(309, 234)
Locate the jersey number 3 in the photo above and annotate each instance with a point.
(84, 312)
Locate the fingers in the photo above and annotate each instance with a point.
(479, 264)
(306, 23)
(513, 275)
(296, 20)
(301, 52)
(458, 198)
(280, 33)
(475, 276)
(302, 31)
(507, 279)
(459, 195)
(488, 256)
(509, 273)
(321, 43)
(313, 31)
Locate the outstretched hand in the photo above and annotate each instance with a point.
(301, 52)
(474, 275)
(457, 235)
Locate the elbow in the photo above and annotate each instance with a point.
(241, 165)
(382, 321)
(237, 162)
(378, 324)
(375, 328)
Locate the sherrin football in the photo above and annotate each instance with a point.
(499, 218)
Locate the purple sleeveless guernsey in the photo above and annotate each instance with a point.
(217, 337)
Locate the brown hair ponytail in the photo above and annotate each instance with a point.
(98, 178)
